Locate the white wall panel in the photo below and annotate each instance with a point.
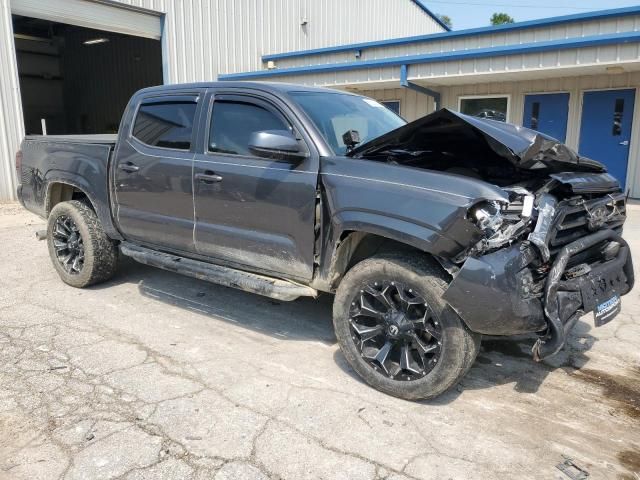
(11, 128)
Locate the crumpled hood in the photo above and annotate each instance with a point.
(459, 134)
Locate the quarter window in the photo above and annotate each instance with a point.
(232, 124)
(166, 124)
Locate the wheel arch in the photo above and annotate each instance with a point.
(356, 244)
(64, 188)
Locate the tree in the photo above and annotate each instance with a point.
(500, 18)
(446, 19)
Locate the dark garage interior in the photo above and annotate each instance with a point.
(79, 79)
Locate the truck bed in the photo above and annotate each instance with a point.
(79, 161)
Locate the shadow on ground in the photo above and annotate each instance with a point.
(501, 360)
(304, 319)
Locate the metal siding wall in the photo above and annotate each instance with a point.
(535, 34)
(232, 35)
(413, 105)
(11, 128)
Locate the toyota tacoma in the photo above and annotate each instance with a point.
(430, 234)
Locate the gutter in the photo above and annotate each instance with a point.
(404, 81)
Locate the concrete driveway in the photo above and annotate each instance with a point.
(154, 375)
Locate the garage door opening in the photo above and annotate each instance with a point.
(76, 80)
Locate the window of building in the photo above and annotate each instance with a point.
(165, 124)
(233, 123)
(393, 105)
(489, 107)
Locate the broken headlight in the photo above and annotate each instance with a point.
(500, 222)
(487, 216)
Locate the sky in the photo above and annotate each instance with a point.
(476, 13)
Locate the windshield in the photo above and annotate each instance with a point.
(336, 113)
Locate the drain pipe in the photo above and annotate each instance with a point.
(404, 81)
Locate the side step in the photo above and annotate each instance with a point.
(229, 277)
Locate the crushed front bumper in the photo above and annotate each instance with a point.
(567, 300)
(496, 294)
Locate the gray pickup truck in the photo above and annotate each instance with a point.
(430, 234)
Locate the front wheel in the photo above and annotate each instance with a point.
(80, 250)
(395, 330)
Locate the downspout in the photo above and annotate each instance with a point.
(418, 88)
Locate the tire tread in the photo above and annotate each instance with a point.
(103, 251)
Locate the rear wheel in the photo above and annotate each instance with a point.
(80, 250)
(395, 330)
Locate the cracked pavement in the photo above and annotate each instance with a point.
(153, 375)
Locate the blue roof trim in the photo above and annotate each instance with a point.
(545, 22)
(582, 42)
(424, 8)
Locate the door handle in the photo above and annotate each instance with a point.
(208, 177)
(129, 167)
(625, 143)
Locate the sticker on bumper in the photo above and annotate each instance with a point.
(605, 311)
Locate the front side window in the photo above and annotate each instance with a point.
(166, 124)
(335, 113)
(233, 123)
(491, 108)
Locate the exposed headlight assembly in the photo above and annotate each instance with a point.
(487, 216)
(501, 223)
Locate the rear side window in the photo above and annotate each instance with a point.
(166, 124)
(233, 123)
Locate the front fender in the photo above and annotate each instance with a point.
(396, 228)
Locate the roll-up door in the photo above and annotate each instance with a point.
(92, 14)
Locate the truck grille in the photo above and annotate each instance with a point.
(576, 220)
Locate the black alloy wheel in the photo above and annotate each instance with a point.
(395, 330)
(68, 244)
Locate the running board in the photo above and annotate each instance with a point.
(228, 277)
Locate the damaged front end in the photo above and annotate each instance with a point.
(550, 253)
(560, 256)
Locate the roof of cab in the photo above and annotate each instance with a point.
(272, 87)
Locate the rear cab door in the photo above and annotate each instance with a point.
(152, 169)
(257, 213)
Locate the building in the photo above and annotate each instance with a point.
(74, 63)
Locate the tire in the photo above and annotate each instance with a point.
(402, 279)
(74, 229)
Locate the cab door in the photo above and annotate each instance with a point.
(252, 212)
(152, 175)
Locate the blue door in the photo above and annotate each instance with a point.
(547, 113)
(605, 131)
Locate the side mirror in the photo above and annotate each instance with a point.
(276, 144)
